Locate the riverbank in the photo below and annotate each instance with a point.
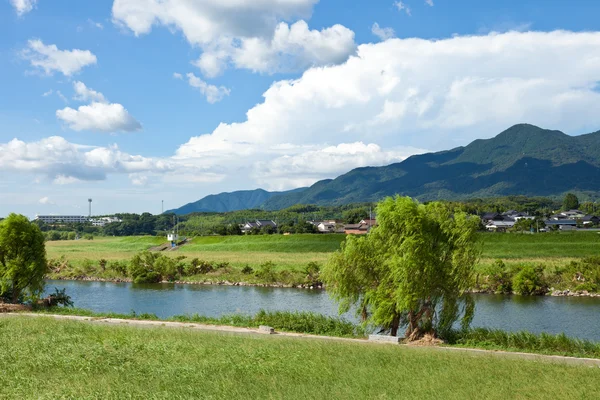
(83, 360)
(319, 325)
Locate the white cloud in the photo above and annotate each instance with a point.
(48, 93)
(291, 48)
(83, 93)
(50, 59)
(62, 96)
(95, 24)
(429, 2)
(403, 7)
(22, 7)
(99, 117)
(177, 75)
(306, 168)
(45, 200)
(61, 162)
(394, 93)
(212, 93)
(382, 33)
(243, 33)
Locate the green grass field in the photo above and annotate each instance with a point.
(46, 359)
(297, 250)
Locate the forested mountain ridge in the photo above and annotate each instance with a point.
(522, 160)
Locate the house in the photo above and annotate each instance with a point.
(326, 227)
(356, 229)
(590, 220)
(368, 222)
(571, 214)
(490, 216)
(562, 224)
(500, 225)
(258, 224)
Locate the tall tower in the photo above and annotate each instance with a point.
(90, 202)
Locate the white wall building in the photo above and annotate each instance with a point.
(61, 219)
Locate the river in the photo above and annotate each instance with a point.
(575, 316)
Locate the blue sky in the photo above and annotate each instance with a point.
(132, 102)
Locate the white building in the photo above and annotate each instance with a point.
(61, 219)
(104, 221)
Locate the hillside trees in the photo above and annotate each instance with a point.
(22, 259)
(412, 269)
(571, 202)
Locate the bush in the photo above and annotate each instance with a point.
(266, 272)
(119, 268)
(529, 281)
(142, 268)
(313, 274)
(247, 270)
(499, 279)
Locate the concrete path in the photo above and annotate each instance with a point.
(592, 362)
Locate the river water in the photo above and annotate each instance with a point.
(575, 316)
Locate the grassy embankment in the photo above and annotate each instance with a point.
(315, 324)
(292, 253)
(43, 358)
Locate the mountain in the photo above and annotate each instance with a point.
(524, 159)
(224, 202)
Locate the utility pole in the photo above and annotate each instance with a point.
(90, 205)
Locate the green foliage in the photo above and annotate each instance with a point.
(498, 278)
(266, 272)
(144, 267)
(247, 270)
(60, 298)
(413, 268)
(529, 281)
(23, 262)
(525, 341)
(571, 202)
(313, 274)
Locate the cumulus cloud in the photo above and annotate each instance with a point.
(83, 93)
(45, 200)
(61, 162)
(429, 2)
(291, 48)
(306, 168)
(394, 94)
(22, 7)
(212, 93)
(243, 33)
(401, 6)
(382, 33)
(50, 59)
(99, 115)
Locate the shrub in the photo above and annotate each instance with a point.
(313, 274)
(499, 279)
(247, 270)
(118, 267)
(142, 268)
(102, 263)
(266, 272)
(529, 281)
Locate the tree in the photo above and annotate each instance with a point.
(411, 270)
(571, 202)
(22, 259)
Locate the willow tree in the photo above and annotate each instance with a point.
(412, 269)
(22, 258)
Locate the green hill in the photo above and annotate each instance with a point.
(225, 202)
(524, 160)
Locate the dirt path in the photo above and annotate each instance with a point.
(592, 362)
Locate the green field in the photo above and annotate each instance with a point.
(44, 358)
(297, 248)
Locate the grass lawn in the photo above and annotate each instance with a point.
(45, 358)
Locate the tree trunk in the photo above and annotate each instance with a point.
(363, 313)
(395, 324)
